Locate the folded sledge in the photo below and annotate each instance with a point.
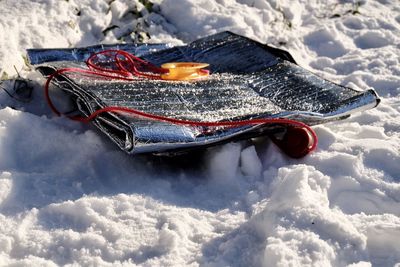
(248, 80)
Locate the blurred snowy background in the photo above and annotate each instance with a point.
(70, 197)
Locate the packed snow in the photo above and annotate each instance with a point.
(68, 196)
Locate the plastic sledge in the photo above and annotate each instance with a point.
(248, 80)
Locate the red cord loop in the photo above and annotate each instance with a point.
(122, 63)
(299, 140)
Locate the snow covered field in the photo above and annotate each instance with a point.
(70, 197)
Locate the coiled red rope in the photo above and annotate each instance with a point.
(129, 67)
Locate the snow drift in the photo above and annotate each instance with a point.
(69, 197)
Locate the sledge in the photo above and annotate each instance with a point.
(240, 89)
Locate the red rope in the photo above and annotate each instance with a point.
(134, 64)
(133, 68)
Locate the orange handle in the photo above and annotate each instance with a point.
(183, 71)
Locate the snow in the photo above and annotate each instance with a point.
(68, 196)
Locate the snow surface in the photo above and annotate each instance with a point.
(70, 197)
